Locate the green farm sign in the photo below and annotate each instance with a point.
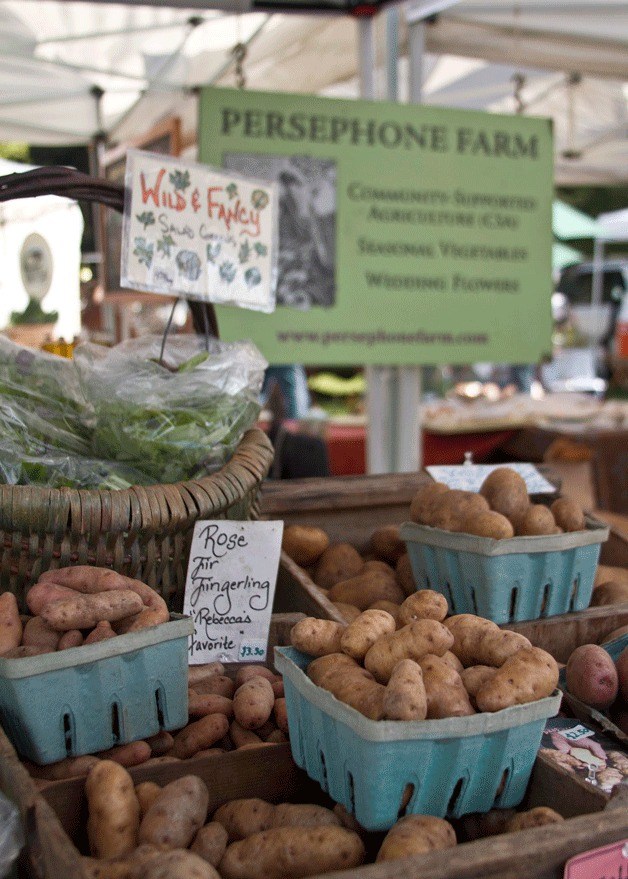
(407, 235)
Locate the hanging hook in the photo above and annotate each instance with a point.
(519, 81)
(239, 54)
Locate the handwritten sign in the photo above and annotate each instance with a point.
(192, 231)
(607, 862)
(229, 589)
(469, 477)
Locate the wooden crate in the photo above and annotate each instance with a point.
(349, 508)
(55, 818)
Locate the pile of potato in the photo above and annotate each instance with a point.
(75, 606)
(501, 509)
(424, 665)
(225, 713)
(593, 677)
(152, 832)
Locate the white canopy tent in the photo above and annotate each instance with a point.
(564, 59)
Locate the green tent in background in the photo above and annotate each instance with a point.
(568, 223)
(563, 255)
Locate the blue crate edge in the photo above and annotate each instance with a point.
(287, 663)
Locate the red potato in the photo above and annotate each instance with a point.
(622, 673)
(131, 754)
(73, 638)
(161, 743)
(41, 595)
(89, 580)
(253, 703)
(102, 632)
(86, 611)
(10, 623)
(241, 737)
(38, 633)
(197, 673)
(281, 715)
(591, 676)
(71, 767)
(177, 814)
(220, 685)
(246, 672)
(202, 704)
(199, 735)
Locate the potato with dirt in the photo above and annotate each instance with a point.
(426, 604)
(340, 561)
(360, 635)
(10, 623)
(304, 544)
(177, 814)
(416, 835)
(364, 589)
(317, 637)
(413, 641)
(114, 810)
(506, 492)
(405, 697)
(526, 676)
(292, 853)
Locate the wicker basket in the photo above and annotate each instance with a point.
(145, 531)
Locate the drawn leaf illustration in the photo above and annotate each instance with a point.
(227, 272)
(260, 249)
(213, 251)
(252, 277)
(165, 244)
(143, 251)
(231, 190)
(259, 199)
(146, 219)
(244, 252)
(180, 179)
(189, 264)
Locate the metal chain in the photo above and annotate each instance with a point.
(239, 54)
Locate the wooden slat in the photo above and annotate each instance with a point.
(560, 635)
(296, 593)
(294, 496)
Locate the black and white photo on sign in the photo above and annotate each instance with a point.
(307, 224)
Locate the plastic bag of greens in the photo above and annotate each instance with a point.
(34, 452)
(176, 419)
(44, 384)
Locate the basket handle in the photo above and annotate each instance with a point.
(67, 182)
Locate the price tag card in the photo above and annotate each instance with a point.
(607, 862)
(470, 477)
(229, 589)
(190, 230)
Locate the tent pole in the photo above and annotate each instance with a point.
(408, 446)
(378, 378)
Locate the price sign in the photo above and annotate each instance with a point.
(470, 477)
(193, 231)
(607, 862)
(229, 589)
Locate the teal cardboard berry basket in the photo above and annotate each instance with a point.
(449, 767)
(507, 581)
(91, 698)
